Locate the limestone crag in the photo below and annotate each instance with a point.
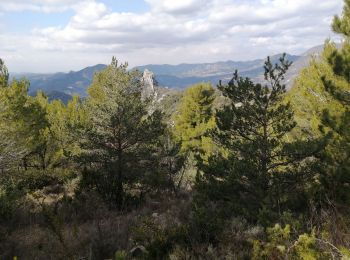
(148, 84)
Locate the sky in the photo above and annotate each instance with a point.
(44, 36)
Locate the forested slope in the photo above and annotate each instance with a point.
(245, 171)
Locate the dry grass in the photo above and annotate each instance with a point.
(80, 227)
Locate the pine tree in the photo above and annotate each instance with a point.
(194, 119)
(309, 97)
(60, 139)
(258, 177)
(335, 177)
(10, 153)
(120, 136)
(23, 120)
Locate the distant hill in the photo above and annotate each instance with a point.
(54, 95)
(184, 75)
(64, 85)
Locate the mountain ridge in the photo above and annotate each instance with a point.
(177, 76)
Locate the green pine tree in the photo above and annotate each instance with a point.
(119, 140)
(194, 119)
(309, 98)
(335, 170)
(259, 177)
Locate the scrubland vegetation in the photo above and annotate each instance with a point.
(241, 171)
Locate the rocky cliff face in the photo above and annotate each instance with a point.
(148, 83)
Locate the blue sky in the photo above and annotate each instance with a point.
(63, 35)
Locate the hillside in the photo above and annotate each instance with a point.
(184, 75)
(74, 82)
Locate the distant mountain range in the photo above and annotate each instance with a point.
(74, 82)
(63, 85)
(183, 75)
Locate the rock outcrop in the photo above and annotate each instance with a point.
(148, 84)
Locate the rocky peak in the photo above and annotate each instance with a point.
(148, 83)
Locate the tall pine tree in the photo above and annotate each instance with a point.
(119, 140)
(258, 178)
(335, 177)
(195, 118)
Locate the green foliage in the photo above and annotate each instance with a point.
(169, 165)
(277, 245)
(306, 248)
(334, 181)
(4, 75)
(22, 119)
(207, 221)
(64, 122)
(345, 252)
(120, 255)
(341, 23)
(264, 157)
(280, 245)
(120, 139)
(159, 242)
(38, 129)
(309, 98)
(34, 138)
(259, 171)
(33, 180)
(9, 199)
(321, 100)
(195, 118)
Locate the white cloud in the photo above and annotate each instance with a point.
(180, 31)
(93, 24)
(178, 6)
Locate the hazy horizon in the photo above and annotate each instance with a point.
(157, 64)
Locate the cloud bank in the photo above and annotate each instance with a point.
(173, 31)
